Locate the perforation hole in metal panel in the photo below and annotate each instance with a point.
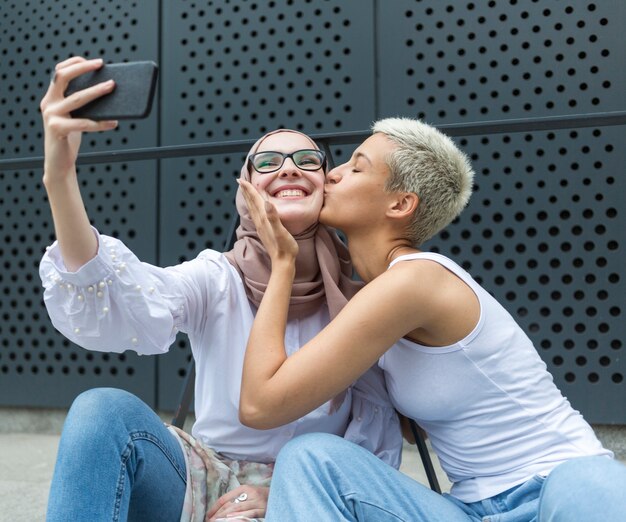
(465, 61)
(23, 322)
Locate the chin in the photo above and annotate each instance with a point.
(296, 222)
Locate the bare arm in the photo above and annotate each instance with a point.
(277, 389)
(62, 141)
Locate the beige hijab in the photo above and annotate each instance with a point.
(323, 266)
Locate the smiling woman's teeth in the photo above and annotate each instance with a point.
(290, 193)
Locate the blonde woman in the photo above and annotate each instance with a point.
(453, 358)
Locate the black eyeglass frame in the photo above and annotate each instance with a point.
(284, 155)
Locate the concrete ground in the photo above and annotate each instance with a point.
(29, 442)
(25, 473)
(27, 463)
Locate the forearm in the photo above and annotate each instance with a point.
(265, 352)
(62, 142)
(71, 224)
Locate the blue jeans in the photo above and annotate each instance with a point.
(320, 477)
(116, 461)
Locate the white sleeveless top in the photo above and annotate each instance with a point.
(489, 405)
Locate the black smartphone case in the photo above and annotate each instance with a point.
(135, 83)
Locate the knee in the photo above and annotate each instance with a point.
(588, 473)
(314, 450)
(584, 487)
(98, 407)
(99, 402)
(307, 459)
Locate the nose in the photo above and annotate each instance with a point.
(289, 169)
(333, 176)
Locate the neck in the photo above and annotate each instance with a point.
(371, 255)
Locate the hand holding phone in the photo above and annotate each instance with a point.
(135, 84)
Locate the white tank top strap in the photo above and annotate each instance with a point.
(442, 260)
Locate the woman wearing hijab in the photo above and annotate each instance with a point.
(116, 459)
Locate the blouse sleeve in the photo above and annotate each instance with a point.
(115, 302)
(374, 424)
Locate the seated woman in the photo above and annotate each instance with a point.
(116, 459)
(510, 443)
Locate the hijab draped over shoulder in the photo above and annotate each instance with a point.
(323, 266)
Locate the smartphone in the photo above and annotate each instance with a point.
(135, 83)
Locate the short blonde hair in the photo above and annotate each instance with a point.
(429, 164)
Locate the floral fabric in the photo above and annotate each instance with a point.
(211, 475)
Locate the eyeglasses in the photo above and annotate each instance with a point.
(269, 161)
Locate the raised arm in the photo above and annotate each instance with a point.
(277, 389)
(62, 141)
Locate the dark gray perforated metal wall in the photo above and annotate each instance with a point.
(544, 231)
(38, 366)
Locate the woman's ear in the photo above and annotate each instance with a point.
(403, 205)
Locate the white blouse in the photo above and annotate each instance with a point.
(115, 303)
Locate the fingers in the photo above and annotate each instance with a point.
(80, 98)
(244, 501)
(276, 239)
(63, 74)
(233, 514)
(254, 202)
(250, 194)
(258, 206)
(56, 108)
(218, 504)
(271, 212)
(250, 514)
(69, 61)
(225, 500)
(62, 126)
(63, 64)
(263, 212)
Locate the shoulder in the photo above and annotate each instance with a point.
(211, 256)
(423, 286)
(407, 288)
(207, 259)
(209, 267)
(419, 274)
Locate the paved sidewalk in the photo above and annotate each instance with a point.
(27, 463)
